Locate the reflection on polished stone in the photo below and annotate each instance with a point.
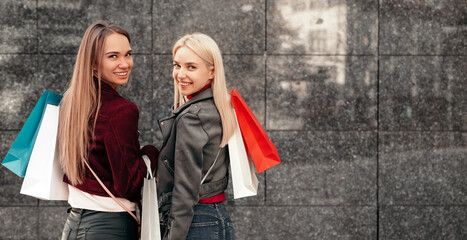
(18, 89)
(236, 26)
(320, 222)
(423, 93)
(19, 223)
(321, 93)
(18, 31)
(246, 74)
(322, 27)
(423, 168)
(423, 222)
(62, 22)
(323, 168)
(423, 27)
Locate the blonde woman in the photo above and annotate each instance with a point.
(99, 127)
(193, 162)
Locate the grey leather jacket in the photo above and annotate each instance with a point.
(192, 136)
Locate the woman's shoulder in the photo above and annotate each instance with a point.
(205, 111)
(117, 104)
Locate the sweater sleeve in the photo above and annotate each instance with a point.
(124, 153)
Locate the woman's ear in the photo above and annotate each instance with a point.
(211, 74)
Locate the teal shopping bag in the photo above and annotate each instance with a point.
(17, 158)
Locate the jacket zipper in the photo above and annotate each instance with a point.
(167, 165)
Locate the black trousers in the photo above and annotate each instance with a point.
(89, 224)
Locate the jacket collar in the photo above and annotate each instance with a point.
(105, 87)
(206, 94)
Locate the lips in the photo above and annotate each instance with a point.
(121, 73)
(183, 84)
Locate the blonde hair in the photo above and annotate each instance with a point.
(82, 100)
(207, 49)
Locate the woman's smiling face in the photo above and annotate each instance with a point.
(190, 71)
(117, 61)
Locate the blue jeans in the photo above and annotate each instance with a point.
(211, 222)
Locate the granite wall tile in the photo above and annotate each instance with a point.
(304, 222)
(10, 195)
(10, 183)
(52, 220)
(423, 222)
(246, 73)
(55, 72)
(18, 26)
(321, 93)
(323, 168)
(19, 223)
(423, 93)
(236, 26)
(62, 23)
(423, 27)
(322, 27)
(8, 137)
(422, 168)
(18, 91)
(147, 137)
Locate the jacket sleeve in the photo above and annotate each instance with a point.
(124, 153)
(191, 139)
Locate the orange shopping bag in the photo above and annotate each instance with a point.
(262, 150)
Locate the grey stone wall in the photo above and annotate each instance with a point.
(366, 101)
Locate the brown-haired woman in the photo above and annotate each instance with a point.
(99, 127)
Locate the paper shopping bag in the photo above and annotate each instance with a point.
(262, 150)
(150, 229)
(18, 156)
(244, 179)
(44, 175)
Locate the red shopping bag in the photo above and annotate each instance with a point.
(261, 149)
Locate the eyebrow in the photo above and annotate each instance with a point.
(115, 52)
(187, 63)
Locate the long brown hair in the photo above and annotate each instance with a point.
(82, 101)
(206, 48)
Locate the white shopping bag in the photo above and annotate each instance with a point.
(244, 179)
(150, 229)
(44, 175)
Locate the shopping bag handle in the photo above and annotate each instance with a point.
(148, 165)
